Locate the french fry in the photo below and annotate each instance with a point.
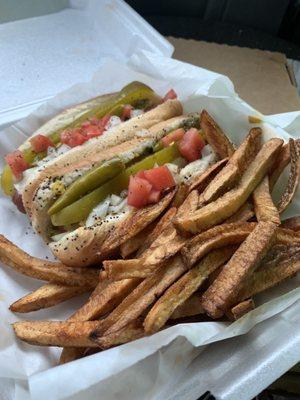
(268, 276)
(131, 332)
(180, 195)
(265, 209)
(243, 214)
(220, 295)
(22, 262)
(69, 354)
(133, 244)
(215, 136)
(234, 169)
(292, 223)
(123, 269)
(282, 160)
(287, 236)
(201, 181)
(192, 306)
(241, 309)
(54, 333)
(104, 299)
(294, 177)
(226, 205)
(181, 290)
(214, 238)
(141, 298)
(135, 223)
(46, 296)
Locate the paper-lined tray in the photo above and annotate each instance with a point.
(153, 365)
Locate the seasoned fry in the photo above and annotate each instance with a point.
(192, 306)
(292, 223)
(142, 297)
(214, 238)
(181, 290)
(243, 214)
(287, 236)
(133, 244)
(269, 275)
(201, 181)
(220, 295)
(265, 209)
(294, 177)
(131, 332)
(122, 269)
(54, 333)
(69, 354)
(235, 167)
(241, 309)
(135, 223)
(180, 195)
(22, 262)
(225, 206)
(46, 296)
(281, 161)
(215, 136)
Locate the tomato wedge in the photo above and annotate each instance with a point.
(160, 178)
(40, 143)
(173, 137)
(170, 95)
(138, 192)
(17, 163)
(191, 145)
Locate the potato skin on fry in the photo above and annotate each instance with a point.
(220, 295)
(265, 209)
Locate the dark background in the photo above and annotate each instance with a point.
(264, 24)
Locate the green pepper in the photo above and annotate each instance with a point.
(80, 209)
(90, 181)
(135, 93)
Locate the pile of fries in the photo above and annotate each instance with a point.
(202, 252)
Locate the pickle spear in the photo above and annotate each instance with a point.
(80, 209)
(86, 183)
(135, 93)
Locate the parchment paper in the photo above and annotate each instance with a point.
(147, 367)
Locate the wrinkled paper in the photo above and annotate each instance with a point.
(148, 367)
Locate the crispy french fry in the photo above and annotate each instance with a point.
(220, 295)
(268, 276)
(243, 214)
(235, 167)
(133, 244)
(46, 296)
(181, 290)
(287, 236)
(22, 262)
(201, 181)
(294, 177)
(226, 205)
(282, 159)
(122, 269)
(131, 332)
(69, 354)
(104, 299)
(215, 136)
(136, 222)
(141, 298)
(292, 223)
(241, 309)
(214, 238)
(265, 209)
(180, 195)
(192, 306)
(54, 333)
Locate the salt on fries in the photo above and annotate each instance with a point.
(202, 252)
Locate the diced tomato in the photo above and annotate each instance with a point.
(170, 95)
(160, 178)
(73, 137)
(104, 121)
(138, 192)
(126, 113)
(41, 143)
(141, 174)
(154, 196)
(91, 131)
(191, 145)
(173, 137)
(17, 163)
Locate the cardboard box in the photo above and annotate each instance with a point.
(261, 78)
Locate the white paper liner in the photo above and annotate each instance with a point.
(175, 347)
